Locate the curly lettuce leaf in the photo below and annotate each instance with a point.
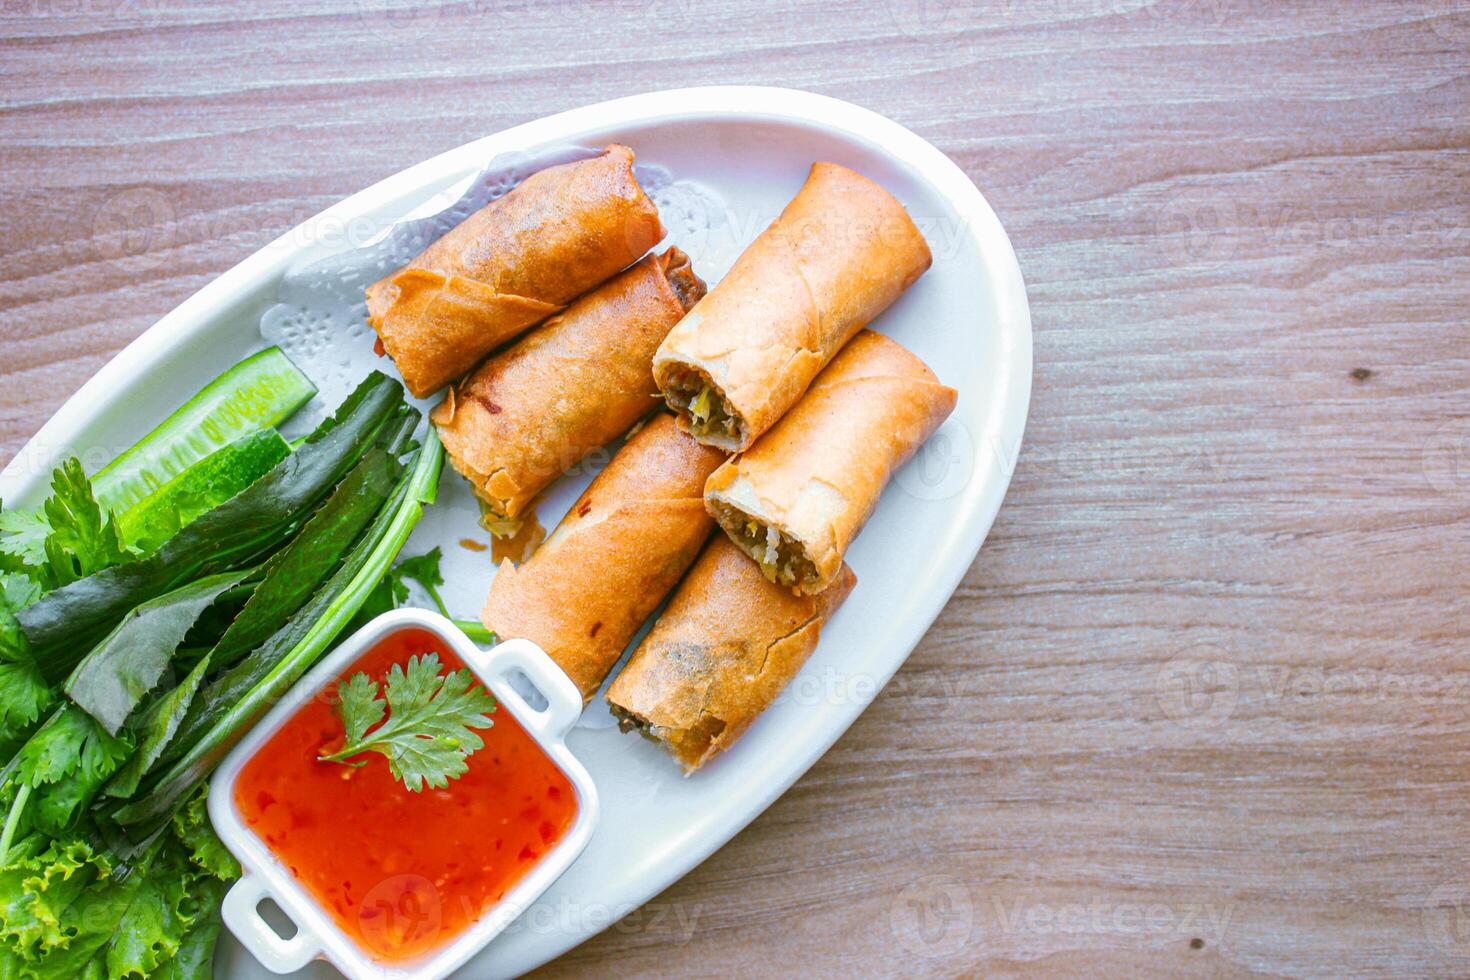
(192, 827)
(38, 885)
(90, 922)
(195, 958)
(63, 913)
(153, 927)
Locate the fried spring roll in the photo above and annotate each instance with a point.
(796, 500)
(841, 252)
(510, 265)
(578, 382)
(620, 549)
(726, 646)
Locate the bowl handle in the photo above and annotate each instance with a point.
(563, 700)
(241, 912)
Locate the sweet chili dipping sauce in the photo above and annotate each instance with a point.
(403, 872)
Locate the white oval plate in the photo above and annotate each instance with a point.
(751, 147)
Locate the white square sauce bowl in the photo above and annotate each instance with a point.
(505, 671)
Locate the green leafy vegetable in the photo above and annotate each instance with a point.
(160, 914)
(194, 645)
(156, 728)
(112, 680)
(194, 959)
(423, 569)
(229, 536)
(316, 625)
(429, 731)
(337, 532)
(18, 591)
(23, 535)
(24, 693)
(256, 394)
(393, 593)
(192, 827)
(297, 570)
(95, 923)
(66, 762)
(69, 537)
(83, 539)
(200, 488)
(38, 884)
(89, 922)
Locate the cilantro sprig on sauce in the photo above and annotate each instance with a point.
(421, 721)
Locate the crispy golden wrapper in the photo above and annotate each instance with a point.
(841, 252)
(726, 646)
(530, 412)
(610, 562)
(510, 265)
(797, 499)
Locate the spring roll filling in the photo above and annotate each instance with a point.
(781, 558)
(691, 393)
(680, 740)
(491, 519)
(630, 722)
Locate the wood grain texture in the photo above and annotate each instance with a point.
(1202, 705)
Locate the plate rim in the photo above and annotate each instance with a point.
(33, 461)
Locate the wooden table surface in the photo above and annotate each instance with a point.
(1202, 705)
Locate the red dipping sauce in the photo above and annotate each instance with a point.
(402, 872)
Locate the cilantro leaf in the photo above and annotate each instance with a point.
(423, 569)
(428, 733)
(24, 693)
(361, 708)
(392, 591)
(71, 743)
(23, 535)
(66, 761)
(18, 591)
(83, 538)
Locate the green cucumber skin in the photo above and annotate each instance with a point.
(204, 485)
(260, 392)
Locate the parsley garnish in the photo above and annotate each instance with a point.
(430, 720)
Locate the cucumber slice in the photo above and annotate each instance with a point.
(258, 393)
(208, 483)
